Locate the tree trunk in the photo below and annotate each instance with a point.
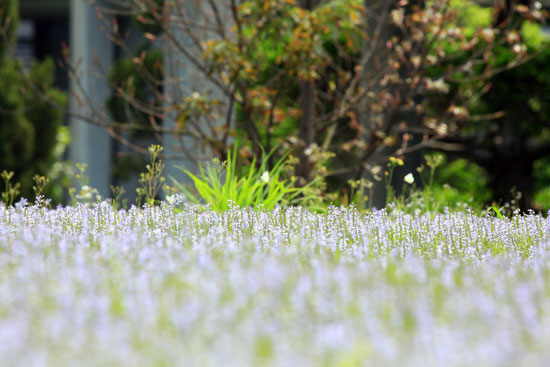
(306, 132)
(392, 114)
(503, 14)
(511, 168)
(512, 174)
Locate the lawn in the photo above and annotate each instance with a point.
(175, 285)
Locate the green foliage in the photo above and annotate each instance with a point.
(514, 97)
(135, 87)
(462, 181)
(455, 185)
(45, 114)
(298, 75)
(221, 186)
(471, 16)
(29, 123)
(390, 192)
(361, 192)
(16, 131)
(542, 198)
(40, 183)
(541, 170)
(151, 181)
(145, 19)
(117, 202)
(11, 191)
(9, 19)
(533, 35)
(277, 45)
(523, 93)
(290, 39)
(86, 194)
(136, 92)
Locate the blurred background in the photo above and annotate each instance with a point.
(345, 85)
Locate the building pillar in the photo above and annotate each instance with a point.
(174, 70)
(182, 79)
(89, 42)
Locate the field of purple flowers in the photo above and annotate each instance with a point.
(174, 285)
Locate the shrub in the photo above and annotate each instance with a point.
(30, 116)
(220, 185)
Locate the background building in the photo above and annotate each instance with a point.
(45, 27)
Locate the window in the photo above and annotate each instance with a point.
(25, 42)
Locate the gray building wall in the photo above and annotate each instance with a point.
(92, 50)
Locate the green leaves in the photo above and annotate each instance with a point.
(151, 181)
(220, 186)
(11, 191)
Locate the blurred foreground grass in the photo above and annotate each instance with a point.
(90, 286)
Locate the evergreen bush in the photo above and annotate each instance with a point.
(30, 114)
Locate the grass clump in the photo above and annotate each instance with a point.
(220, 186)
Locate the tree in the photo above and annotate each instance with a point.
(28, 122)
(508, 147)
(361, 80)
